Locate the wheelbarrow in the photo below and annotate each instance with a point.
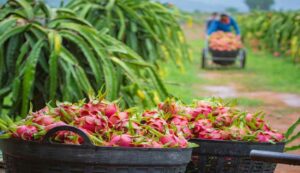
(223, 58)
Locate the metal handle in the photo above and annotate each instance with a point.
(50, 133)
(275, 157)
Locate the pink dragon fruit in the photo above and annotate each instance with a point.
(91, 109)
(249, 117)
(182, 125)
(201, 125)
(204, 134)
(110, 110)
(25, 132)
(223, 120)
(179, 120)
(276, 136)
(66, 112)
(221, 110)
(261, 137)
(114, 119)
(92, 123)
(44, 120)
(124, 140)
(205, 107)
(41, 112)
(157, 124)
(238, 133)
(150, 114)
(68, 137)
(123, 125)
(172, 140)
(150, 143)
(53, 125)
(169, 107)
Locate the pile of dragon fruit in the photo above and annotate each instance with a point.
(103, 122)
(213, 119)
(222, 41)
(170, 125)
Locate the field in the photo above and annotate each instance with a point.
(268, 83)
(125, 73)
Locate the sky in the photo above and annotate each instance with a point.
(221, 5)
(216, 5)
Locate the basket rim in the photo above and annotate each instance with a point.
(235, 142)
(94, 146)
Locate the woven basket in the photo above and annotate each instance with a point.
(230, 157)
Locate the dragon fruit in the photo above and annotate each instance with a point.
(249, 117)
(69, 137)
(126, 125)
(170, 125)
(157, 124)
(56, 124)
(44, 120)
(223, 120)
(25, 132)
(124, 140)
(201, 125)
(110, 110)
(114, 119)
(92, 123)
(150, 114)
(169, 107)
(41, 112)
(66, 112)
(151, 144)
(172, 140)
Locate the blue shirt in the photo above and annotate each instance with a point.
(208, 23)
(219, 26)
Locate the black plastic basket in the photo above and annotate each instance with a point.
(229, 56)
(230, 157)
(32, 157)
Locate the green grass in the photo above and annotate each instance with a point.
(180, 82)
(273, 73)
(242, 101)
(263, 73)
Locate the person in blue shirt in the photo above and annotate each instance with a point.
(225, 24)
(212, 18)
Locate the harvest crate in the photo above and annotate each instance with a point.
(230, 157)
(32, 157)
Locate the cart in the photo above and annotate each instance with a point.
(223, 58)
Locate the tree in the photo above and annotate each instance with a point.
(232, 10)
(259, 4)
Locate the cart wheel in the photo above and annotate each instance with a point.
(243, 59)
(203, 63)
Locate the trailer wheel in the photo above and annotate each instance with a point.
(203, 62)
(243, 59)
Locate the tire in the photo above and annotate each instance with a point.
(243, 59)
(203, 62)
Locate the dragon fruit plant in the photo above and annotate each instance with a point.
(105, 124)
